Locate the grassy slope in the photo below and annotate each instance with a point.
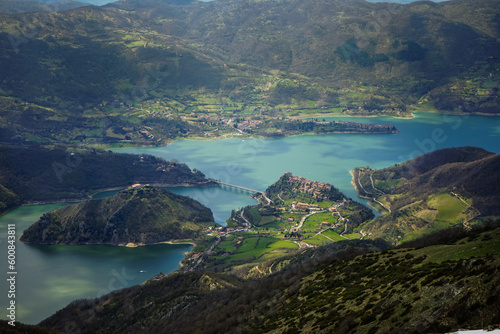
(432, 192)
(437, 288)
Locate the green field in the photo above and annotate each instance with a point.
(436, 226)
(318, 240)
(252, 247)
(227, 246)
(484, 244)
(282, 244)
(450, 208)
(352, 236)
(312, 222)
(277, 225)
(333, 235)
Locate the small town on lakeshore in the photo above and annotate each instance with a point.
(293, 214)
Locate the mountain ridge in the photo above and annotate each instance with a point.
(349, 291)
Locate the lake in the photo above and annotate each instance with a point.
(49, 277)
(257, 163)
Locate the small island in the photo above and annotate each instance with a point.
(135, 216)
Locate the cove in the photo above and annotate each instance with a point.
(49, 277)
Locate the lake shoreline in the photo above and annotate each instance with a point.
(244, 135)
(170, 242)
(320, 158)
(301, 116)
(319, 115)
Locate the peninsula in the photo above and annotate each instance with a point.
(293, 214)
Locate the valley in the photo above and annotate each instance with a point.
(250, 166)
(254, 163)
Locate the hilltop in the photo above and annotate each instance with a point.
(290, 191)
(136, 216)
(153, 71)
(293, 187)
(439, 189)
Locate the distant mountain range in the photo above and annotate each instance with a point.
(26, 6)
(352, 55)
(402, 1)
(104, 2)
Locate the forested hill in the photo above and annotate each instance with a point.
(34, 174)
(352, 54)
(139, 216)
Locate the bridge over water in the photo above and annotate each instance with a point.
(238, 187)
(263, 193)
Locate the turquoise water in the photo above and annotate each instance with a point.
(51, 276)
(257, 163)
(221, 201)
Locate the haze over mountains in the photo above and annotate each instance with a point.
(25, 5)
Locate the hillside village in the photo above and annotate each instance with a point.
(300, 213)
(317, 190)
